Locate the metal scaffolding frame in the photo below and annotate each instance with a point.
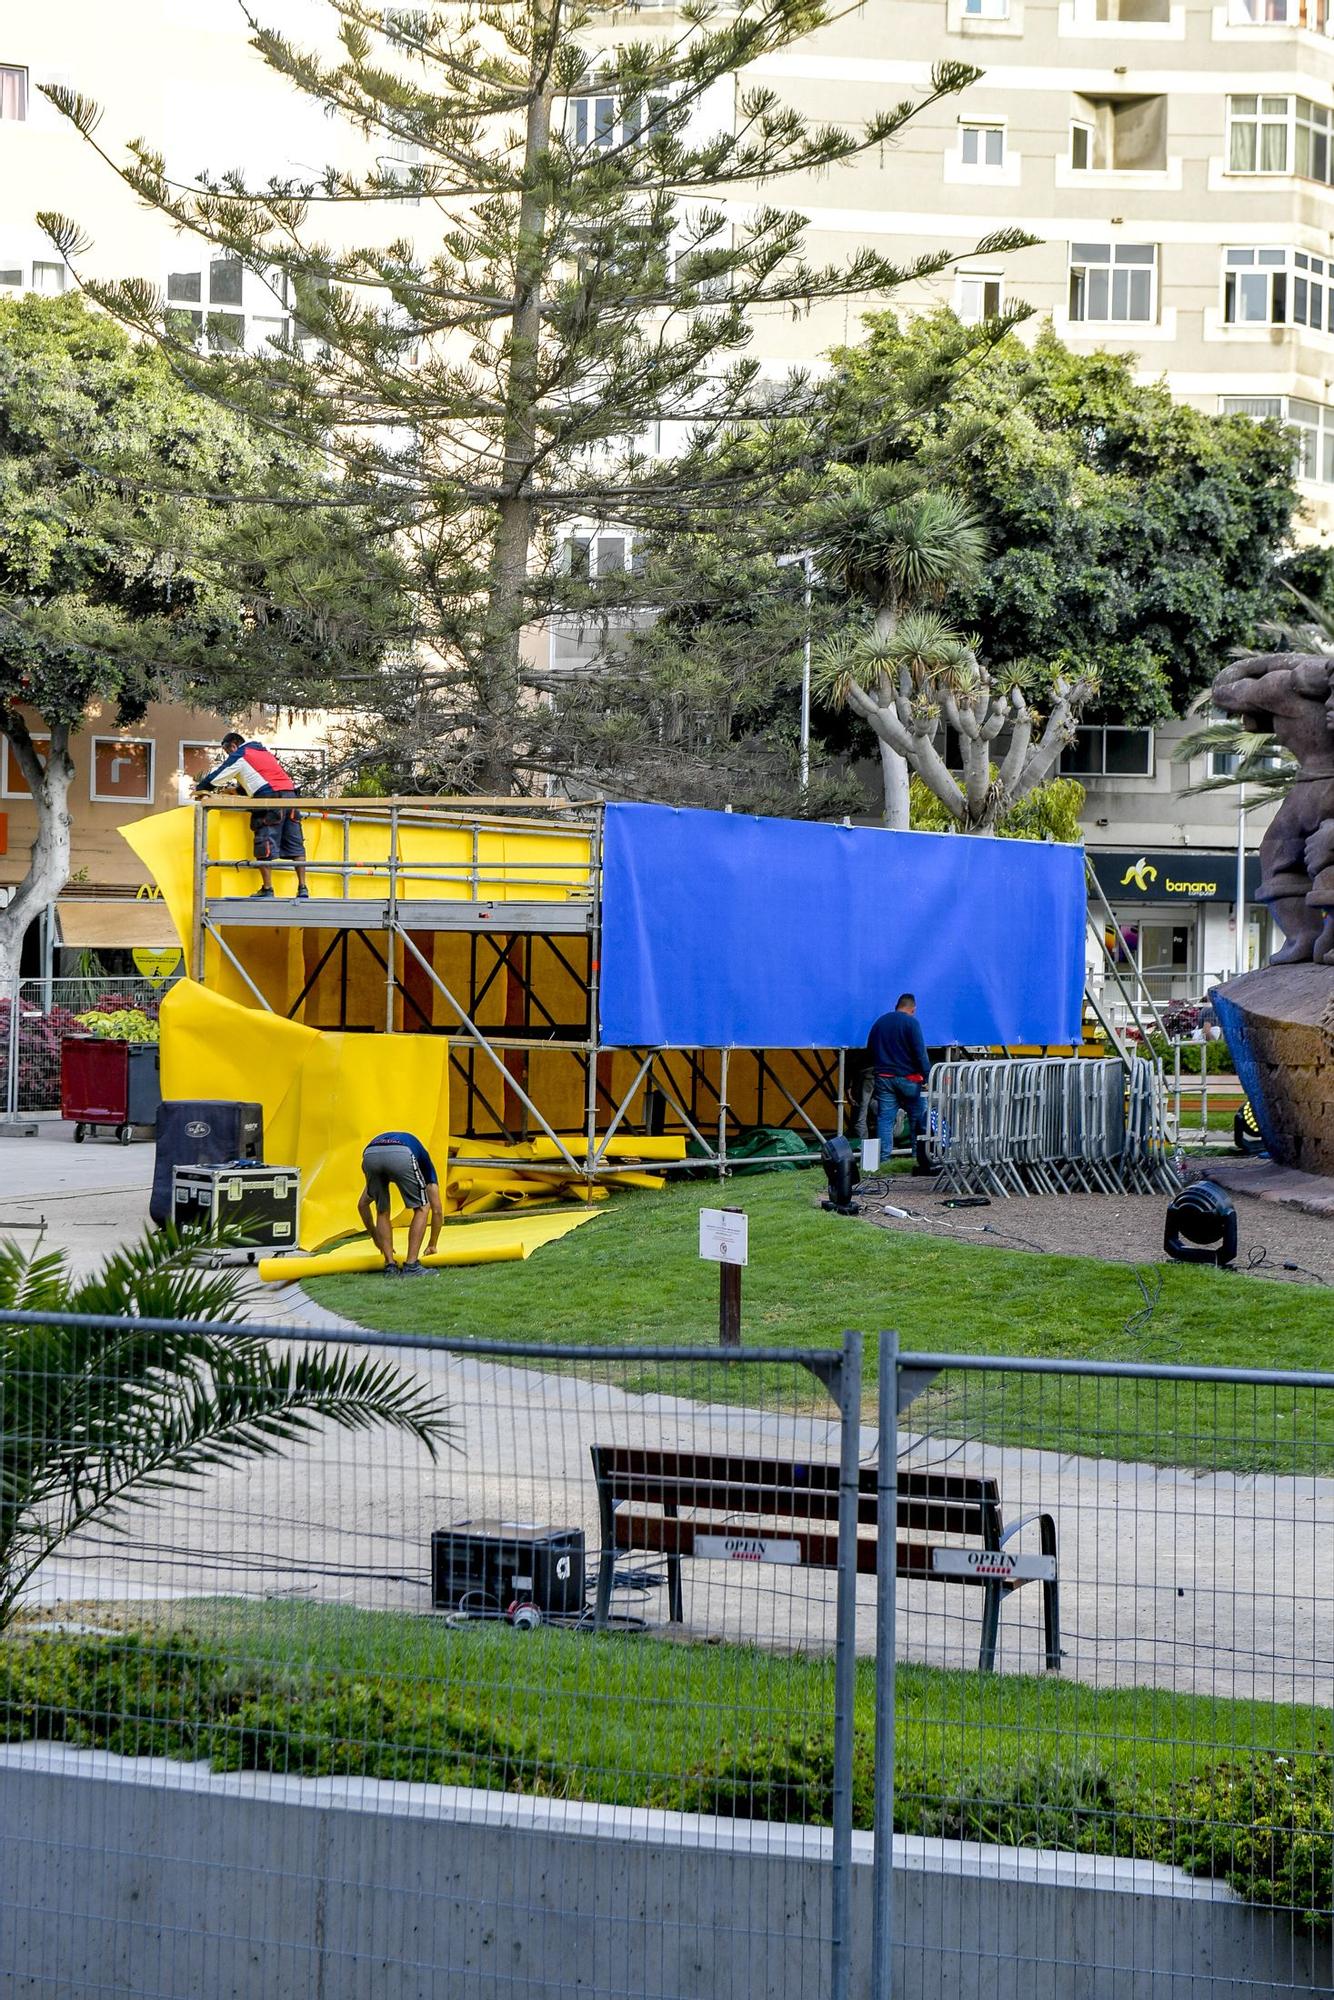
(503, 930)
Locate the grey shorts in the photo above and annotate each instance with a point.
(393, 1166)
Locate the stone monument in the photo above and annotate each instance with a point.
(1279, 1021)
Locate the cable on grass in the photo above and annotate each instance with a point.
(1138, 1322)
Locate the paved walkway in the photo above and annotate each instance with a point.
(1203, 1582)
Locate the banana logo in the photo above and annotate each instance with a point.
(1141, 874)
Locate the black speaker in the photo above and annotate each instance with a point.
(1201, 1226)
(201, 1132)
(840, 1170)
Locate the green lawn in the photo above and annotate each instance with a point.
(634, 1275)
(635, 1721)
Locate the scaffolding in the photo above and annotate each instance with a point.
(497, 946)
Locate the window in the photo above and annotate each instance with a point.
(982, 145)
(1280, 135)
(11, 279)
(1312, 423)
(1313, 152)
(16, 785)
(589, 557)
(1113, 282)
(977, 296)
(13, 93)
(593, 121)
(1277, 287)
(1125, 135)
(225, 278)
(196, 759)
(1259, 135)
(1109, 752)
(48, 278)
(1134, 10)
(1313, 14)
(122, 770)
(986, 10)
(1223, 763)
(397, 165)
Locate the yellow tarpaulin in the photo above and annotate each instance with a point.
(324, 1094)
(503, 1240)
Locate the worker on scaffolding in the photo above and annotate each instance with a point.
(902, 1067)
(399, 1161)
(276, 829)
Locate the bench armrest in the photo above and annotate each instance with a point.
(1046, 1531)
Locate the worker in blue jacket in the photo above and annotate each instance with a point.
(902, 1069)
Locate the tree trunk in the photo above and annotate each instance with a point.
(893, 767)
(48, 870)
(894, 777)
(499, 681)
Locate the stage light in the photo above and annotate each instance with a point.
(840, 1170)
(1201, 1226)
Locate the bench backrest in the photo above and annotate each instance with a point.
(773, 1489)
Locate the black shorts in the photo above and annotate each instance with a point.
(277, 834)
(393, 1166)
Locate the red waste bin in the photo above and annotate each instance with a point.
(108, 1083)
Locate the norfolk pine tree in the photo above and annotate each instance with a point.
(568, 281)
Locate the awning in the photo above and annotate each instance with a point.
(114, 923)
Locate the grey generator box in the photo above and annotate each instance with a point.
(480, 1568)
(263, 1202)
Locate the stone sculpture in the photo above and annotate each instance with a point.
(1278, 1020)
(1292, 696)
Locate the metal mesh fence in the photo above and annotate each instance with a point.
(1150, 1551)
(599, 1697)
(521, 1790)
(46, 1012)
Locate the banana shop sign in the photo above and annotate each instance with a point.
(1173, 875)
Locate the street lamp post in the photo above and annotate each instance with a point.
(806, 557)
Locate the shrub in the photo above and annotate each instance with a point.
(1263, 1824)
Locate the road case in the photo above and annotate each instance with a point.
(263, 1202)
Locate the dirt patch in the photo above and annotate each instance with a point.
(1120, 1228)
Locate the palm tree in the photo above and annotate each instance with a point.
(908, 674)
(93, 1418)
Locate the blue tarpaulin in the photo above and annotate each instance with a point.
(721, 931)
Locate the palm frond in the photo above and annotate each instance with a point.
(93, 1418)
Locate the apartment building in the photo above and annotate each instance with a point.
(1174, 157)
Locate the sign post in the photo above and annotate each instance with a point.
(724, 1240)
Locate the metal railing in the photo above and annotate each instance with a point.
(484, 872)
(1050, 1126)
(1131, 1787)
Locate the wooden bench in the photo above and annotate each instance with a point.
(676, 1503)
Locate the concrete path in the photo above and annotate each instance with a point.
(1201, 1582)
(83, 1199)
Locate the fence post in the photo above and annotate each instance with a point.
(12, 1053)
(845, 1658)
(886, 1570)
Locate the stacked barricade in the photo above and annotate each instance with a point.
(1050, 1126)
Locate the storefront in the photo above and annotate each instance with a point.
(1176, 909)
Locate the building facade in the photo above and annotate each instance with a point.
(1175, 157)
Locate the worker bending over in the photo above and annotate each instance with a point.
(398, 1160)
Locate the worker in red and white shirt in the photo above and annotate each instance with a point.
(252, 769)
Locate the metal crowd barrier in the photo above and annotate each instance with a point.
(1050, 1126)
